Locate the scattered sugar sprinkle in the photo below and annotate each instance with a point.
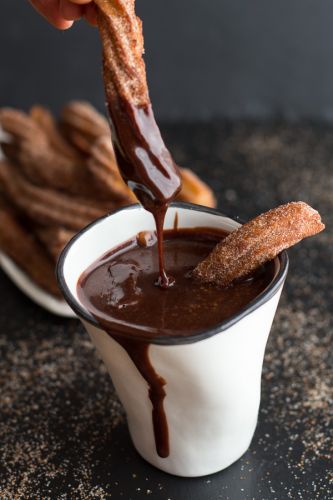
(62, 429)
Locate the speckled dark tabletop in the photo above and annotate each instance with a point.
(62, 429)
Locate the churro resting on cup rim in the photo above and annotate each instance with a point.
(258, 241)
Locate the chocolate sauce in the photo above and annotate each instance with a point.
(146, 165)
(118, 290)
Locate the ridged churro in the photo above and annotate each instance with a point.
(54, 239)
(102, 164)
(43, 117)
(83, 125)
(258, 241)
(25, 251)
(47, 206)
(124, 68)
(144, 161)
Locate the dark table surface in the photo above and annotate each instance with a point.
(62, 430)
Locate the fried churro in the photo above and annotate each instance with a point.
(47, 206)
(144, 161)
(102, 164)
(54, 238)
(83, 125)
(25, 251)
(43, 117)
(43, 156)
(258, 241)
(194, 190)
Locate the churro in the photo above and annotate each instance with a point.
(258, 241)
(83, 125)
(25, 251)
(102, 164)
(47, 206)
(54, 239)
(43, 117)
(143, 159)
(194, 190)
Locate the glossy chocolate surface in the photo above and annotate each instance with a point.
(120, 291)
(123, 293)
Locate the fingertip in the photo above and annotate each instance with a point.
(81, 2)
(62, 24)
(69, 10)
(90, 14)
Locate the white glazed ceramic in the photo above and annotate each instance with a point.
(33, 291)
(213, 379)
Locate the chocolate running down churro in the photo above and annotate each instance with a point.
(257, 242)
(144, 162)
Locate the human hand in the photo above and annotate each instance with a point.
(62, 13)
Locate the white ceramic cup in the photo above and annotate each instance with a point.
(212, 379)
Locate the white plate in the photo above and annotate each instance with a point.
(24, 283)
(33, 291)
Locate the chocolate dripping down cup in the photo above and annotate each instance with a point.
(212, 379)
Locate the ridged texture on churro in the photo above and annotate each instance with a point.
(60, 175)
(46, 206)
(83, 125)
(257, 242)
(124, 68)
(102, 164)
(22, 247)
(54, 238)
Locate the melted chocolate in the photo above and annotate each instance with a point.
(119, 291)
(146, 165)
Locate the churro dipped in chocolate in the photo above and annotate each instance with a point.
(143, 159)
(258, 241)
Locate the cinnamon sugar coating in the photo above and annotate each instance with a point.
(258, 241)
(21, 246)
(124, 67)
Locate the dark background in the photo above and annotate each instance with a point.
(206, 59)
(212, 65)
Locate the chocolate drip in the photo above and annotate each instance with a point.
(146, 166)
(139, 354)
(118, 290)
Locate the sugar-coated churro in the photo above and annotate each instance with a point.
(26, 252)
(257, 242)
(54, 239)
(83, 125)
(47, 206)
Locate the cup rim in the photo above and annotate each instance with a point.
(261, 299)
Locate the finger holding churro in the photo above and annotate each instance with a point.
(144, 161)
(258, 241)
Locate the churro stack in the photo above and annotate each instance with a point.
(56, 177)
